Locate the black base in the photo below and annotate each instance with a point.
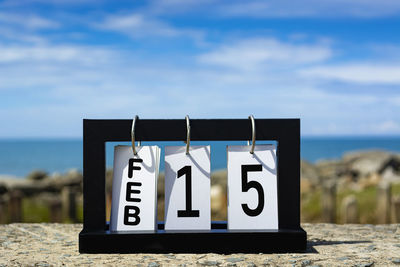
(218, 240)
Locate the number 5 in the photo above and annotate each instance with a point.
(246, 186)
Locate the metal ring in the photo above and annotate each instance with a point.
(133, 135)
(187, 134)
(253, 134)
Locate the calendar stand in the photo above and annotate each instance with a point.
(96, 236)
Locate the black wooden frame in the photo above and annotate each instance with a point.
(96, 237)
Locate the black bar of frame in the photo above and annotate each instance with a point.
(201, 129)
(96, 132)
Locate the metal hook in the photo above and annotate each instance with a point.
(133, 135)
(187, 134)
(253, 134)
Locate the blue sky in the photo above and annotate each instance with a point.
(334, 63)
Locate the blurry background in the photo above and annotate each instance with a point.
(334, 64)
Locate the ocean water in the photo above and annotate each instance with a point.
(19, 157)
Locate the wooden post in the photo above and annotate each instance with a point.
(15, 206)
(383, 202)
(329, 201)
(108, 206)
(3, 214)
(68, 195)
(55, 210)
(396, 209)
(349, 210)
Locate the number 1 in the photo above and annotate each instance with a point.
(188, 212)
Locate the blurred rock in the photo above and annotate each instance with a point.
(161, 185)
(390, 175)
(392, 162)
(218, 199)
(37, 175)
(369, 180)
(328, 169)
(368, 162)
(305, 185)
(310, 173)
(3, 189)
(109, 180)
(356, 170)
(219, 177)
(219, 195)
(34, 186)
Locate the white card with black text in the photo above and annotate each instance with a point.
(187, 188)
(252, 188)
(134, 192)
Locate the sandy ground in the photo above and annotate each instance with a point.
(328, 245)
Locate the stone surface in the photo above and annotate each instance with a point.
(328, 245)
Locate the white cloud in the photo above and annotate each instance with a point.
(137, 25)
(54, 86)
(8, 33)
(386, 127)
(366, 73)
(60, 85)
(255, 53)
(23, 28)
(395, 100)
(26, 3)
(31, 54)
(249, 8)
(281, 8)
(54, 96)
(28, 21)
(313, 8)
